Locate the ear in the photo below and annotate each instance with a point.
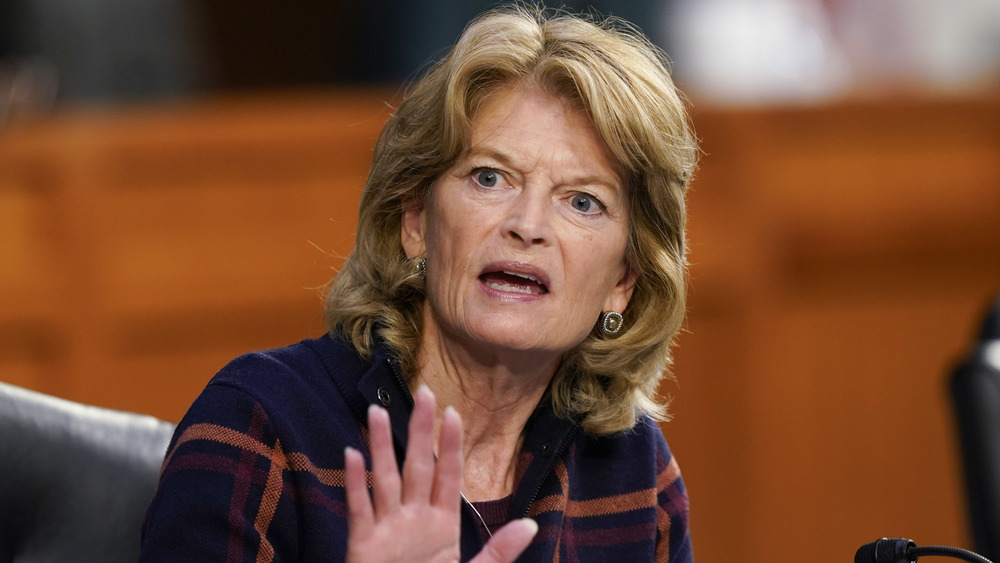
(412, 231)
(621, 293)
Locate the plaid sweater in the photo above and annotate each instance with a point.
(255, 470)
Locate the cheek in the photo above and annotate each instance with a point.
(444, 236)
(458, 225)
(454, 238)
(600, 262)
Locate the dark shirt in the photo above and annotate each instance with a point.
(493, 514)
(255, 470)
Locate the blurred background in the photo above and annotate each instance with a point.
(178, 179)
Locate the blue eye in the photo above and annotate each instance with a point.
(583, 203)
(487, 178)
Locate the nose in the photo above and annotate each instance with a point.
(529, 217)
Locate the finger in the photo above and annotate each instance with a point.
(508, 542)
(418, 470)
(361, 517)
(385, 472)
(448, 479)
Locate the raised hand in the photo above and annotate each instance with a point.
(416, 516)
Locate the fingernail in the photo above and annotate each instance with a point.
(425, 392)
(451, 414)
(532, 523)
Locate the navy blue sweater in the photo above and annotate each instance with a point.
(255, 470)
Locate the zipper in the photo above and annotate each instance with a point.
(552, 461)
(400, 380)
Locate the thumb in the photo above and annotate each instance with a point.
(508, 542)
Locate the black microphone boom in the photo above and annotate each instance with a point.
(898, 550)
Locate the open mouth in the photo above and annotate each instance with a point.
(515, 282)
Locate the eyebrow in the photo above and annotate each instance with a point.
(480, 151)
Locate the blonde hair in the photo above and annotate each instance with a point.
(621, 80)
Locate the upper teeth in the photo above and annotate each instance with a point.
(520, 275)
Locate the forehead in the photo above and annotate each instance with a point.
(531, 123)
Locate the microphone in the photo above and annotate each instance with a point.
(899, 550)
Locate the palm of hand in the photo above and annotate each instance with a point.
(434, 537)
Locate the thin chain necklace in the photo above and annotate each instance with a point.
(473, 507)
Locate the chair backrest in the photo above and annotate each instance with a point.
(975, 387)
(75, 480)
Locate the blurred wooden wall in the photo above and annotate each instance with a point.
(142, 250)
(841, 257)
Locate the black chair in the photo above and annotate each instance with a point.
(75, 480)
(975, 387)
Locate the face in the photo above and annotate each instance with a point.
(525, 235)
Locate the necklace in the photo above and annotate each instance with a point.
(480, 516)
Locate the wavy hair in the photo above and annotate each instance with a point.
(621, 80)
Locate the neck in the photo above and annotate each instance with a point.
(495, 394)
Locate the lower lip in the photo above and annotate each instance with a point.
(509, 296)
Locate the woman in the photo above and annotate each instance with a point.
(502, 325)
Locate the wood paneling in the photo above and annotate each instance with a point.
(144, 249)
(841, 256)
